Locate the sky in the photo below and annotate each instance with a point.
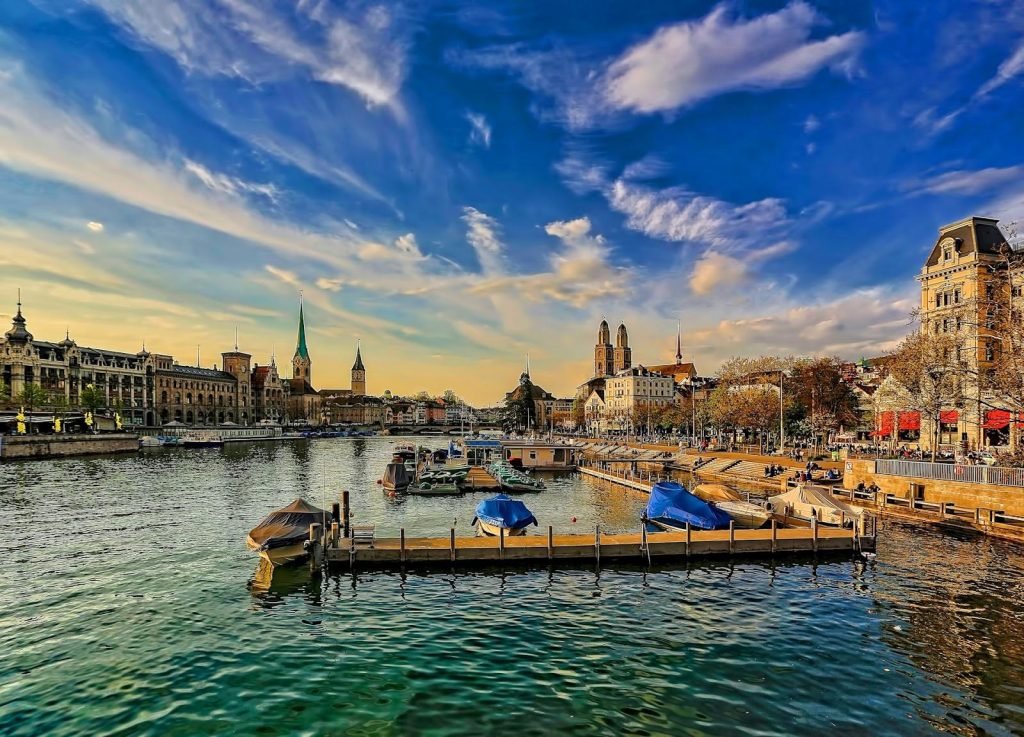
(460, 185)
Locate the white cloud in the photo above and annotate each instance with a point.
(715, 270)
(407, 244)
(690, 61)
(1011, 66)
(676, 214)
(228, 185)
(364, 51)
(482, 235)
(479, 129)
(811, 124)
(94, 226)
(969, 182)
(331, 285)
(405, 248)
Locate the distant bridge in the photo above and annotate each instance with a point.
(437, 429)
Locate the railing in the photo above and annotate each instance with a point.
(998, 475)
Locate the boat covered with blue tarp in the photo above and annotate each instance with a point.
(502, 512)
(671, 506)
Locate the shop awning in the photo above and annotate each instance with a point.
(949, 417)
(885, 423)
(996, 419)
(910, 420)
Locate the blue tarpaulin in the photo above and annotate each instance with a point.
(504, 511)
(671, 503)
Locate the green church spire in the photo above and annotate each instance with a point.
(300, 349)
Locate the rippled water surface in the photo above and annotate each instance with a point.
(125, 608)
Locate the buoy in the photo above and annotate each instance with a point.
(574, 519)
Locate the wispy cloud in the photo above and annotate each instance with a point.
(482, 235)
(363, 50)
(479, 129)
(228, 185)
(687, 62)
(967, 182)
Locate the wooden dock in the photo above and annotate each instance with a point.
(637, 483)
(479, 478)
(544, 549)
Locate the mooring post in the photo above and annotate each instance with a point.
(597, 544)
(334, 532)
(732, 536)
(814, 533)
(401, 545)
(687, 539)
(501, 543)
(551, 542)
(451, 539)
(346, 512)
(775, 535)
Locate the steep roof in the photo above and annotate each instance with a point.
(971, 235)
(300, 348)
(358, 365)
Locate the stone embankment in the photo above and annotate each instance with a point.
(37, 447)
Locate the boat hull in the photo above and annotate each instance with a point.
(282, 555)
(745, 514)
(485, 528)
(437, 490)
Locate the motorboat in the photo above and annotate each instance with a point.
(802, 504)
(503, 513)
(671, 507)
(745, 514)
(397, 476)
(512, 479)
(280, 537)
(433, 488)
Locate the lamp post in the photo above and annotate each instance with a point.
(782, 439)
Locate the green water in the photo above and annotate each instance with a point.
(125, 609)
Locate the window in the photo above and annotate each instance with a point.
(990, 353)
(956, 296)
(947, 253)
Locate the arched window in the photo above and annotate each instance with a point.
(189, 417)
(177, 397)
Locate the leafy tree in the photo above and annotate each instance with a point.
(450, 397)
(519, 412)
(826, 400)
(422, 396)
(31, 396)
(92, 398)
(5, 391)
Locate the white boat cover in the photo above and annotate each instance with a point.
(802, 500)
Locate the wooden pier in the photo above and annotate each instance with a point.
(362, 550)
(638, 483)
(479, 478)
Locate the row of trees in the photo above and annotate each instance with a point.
(33, 397)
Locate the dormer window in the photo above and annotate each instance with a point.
(947, 253)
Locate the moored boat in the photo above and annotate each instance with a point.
(397, 476)
(802, 504)
(433, 488)
(744, 514)
(671, 507)
(280, 537)
(503, 513)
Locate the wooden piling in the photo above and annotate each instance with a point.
(551, 541)
(452, 543)
(401, 544)
(775, 535)
(814, 533)
(732, 536)
(346, 511)
(336, 511)
(597, 544)
(501, 542)
(334, 532)
(687, 539)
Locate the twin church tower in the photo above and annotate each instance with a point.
(609, 361)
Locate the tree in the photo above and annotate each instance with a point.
(927, 366)
(58, 403)
(92, 398)
(747, 395)
(422, 396)
(578, 414)
(5, 392)
(827, 401)
(31, 396)
(450, 397)
(519, 412)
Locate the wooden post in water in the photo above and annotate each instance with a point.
(401, 545)
(451, 539)
(334, 532)
(814, 533)
(346, 511)
(336, 511)
(597, 543)
(687, 539)
(501, 542)
(732, 536)
(551, 542)
(775, 535)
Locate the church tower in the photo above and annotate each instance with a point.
(603, 351)
(679, 346)
(623, 355)
(358, 375)
(302, 366)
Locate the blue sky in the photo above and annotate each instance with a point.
(460, 184)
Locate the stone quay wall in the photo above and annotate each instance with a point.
(20, 447)
(1008, 499)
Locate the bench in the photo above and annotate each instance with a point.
(362, 535)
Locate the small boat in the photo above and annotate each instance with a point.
(512, 479)
(150, 441)
(202, 442)
(804, 503)
(433, 488)
(745, 514)
(397, 476)
(671, 507)
(280, 537)
(502, 512)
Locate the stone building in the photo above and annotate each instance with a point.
(304, 402)
(199, 396)
(65, 368)
(632, 390)
(357, 410)
(269, 393)
(623, 355)
(957, 281)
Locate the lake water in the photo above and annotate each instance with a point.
(126, 609)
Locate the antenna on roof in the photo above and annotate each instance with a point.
(236, 338)
(198, 362)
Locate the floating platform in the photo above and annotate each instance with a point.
(479, 478)
(363, 551)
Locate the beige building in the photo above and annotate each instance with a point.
(957, 283)
(631, 391)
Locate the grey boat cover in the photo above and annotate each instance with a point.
(286, 526)
(396, 475)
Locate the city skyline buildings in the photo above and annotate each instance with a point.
(178, 190)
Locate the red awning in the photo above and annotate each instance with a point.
(996, 419)
(885, 422)
(910, 420)
(949, 417)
